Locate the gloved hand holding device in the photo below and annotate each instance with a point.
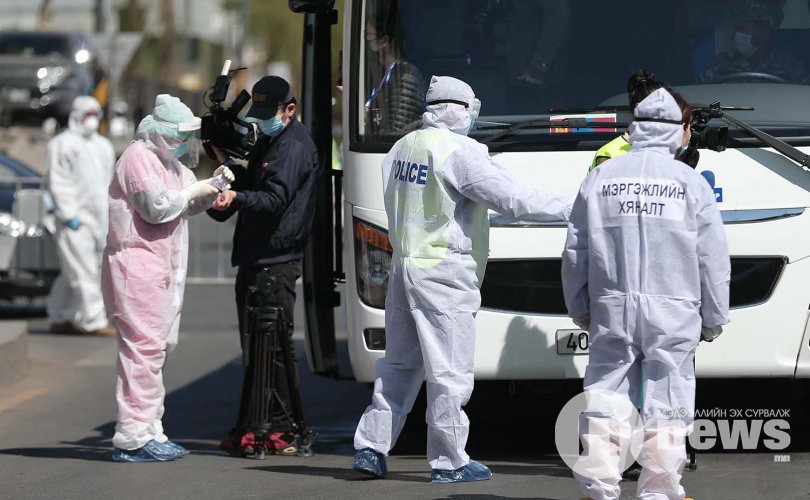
(200, 189)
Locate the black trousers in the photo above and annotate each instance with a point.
(282, 279)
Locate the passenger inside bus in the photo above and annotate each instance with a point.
(397, 97)
(535, 32)
(756, 55)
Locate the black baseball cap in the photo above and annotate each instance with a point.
(268, 94)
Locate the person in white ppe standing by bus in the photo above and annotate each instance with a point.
(646, 271)
(80, 164)
(152, 193)
(439, 184)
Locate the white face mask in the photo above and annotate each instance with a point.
(743, 45)
(90, 124)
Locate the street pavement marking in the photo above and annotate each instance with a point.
(21, 398)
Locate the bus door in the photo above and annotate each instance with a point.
(321, 262)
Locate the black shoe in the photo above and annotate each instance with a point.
(632, 473)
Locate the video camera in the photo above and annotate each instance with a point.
(704, 136)
(222, 127)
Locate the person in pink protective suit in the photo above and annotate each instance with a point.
(144, 268)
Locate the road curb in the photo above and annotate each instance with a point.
(13, 350)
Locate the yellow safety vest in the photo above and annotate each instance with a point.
(614, 148)
(336, 160)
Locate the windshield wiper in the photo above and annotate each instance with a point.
(715, 110)
(541, 124)
(594, 109)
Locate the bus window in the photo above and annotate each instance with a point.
(394, 86)
(524, 58)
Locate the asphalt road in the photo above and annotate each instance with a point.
(56, 425)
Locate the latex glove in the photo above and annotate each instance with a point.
(225, 172)
(73, 223)
(709, 333)
(584, 322)
(200, 189)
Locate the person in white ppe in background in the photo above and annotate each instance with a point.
(144, 268)
(439, 184)
(646, 271)
(80, 164)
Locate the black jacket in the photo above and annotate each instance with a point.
(275, 198)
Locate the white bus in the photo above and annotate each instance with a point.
(533, 63)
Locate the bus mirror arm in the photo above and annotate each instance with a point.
(777, 144)
(702, 114)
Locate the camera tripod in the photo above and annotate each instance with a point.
(265, 346)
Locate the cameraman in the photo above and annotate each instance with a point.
(275, 197)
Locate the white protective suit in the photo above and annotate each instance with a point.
(646, 259)
(145, 262)
(438, 187)
(80, 164)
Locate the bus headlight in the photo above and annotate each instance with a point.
(372, 259)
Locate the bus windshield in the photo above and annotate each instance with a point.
(545, 59)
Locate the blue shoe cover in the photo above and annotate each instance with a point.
(370, 462)
(473, 471)
(150, 452)
(176, 448)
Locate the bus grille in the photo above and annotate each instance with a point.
(535, 286)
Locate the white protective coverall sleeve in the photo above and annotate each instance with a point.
(482, 179)
(157, 207)
(715, 267)
(472, 171)
(575, 260)
(158, 204)
(62, 171)
(584, 322)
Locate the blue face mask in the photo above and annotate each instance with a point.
(270, 127)
(181, 150)
(470, 127)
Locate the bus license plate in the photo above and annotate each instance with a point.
(572, 342)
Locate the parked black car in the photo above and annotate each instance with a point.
(42, 72)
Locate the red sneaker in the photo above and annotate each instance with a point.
(246, 445)
(248, 441)
(283, 443)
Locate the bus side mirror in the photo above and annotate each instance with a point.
(311, 6)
